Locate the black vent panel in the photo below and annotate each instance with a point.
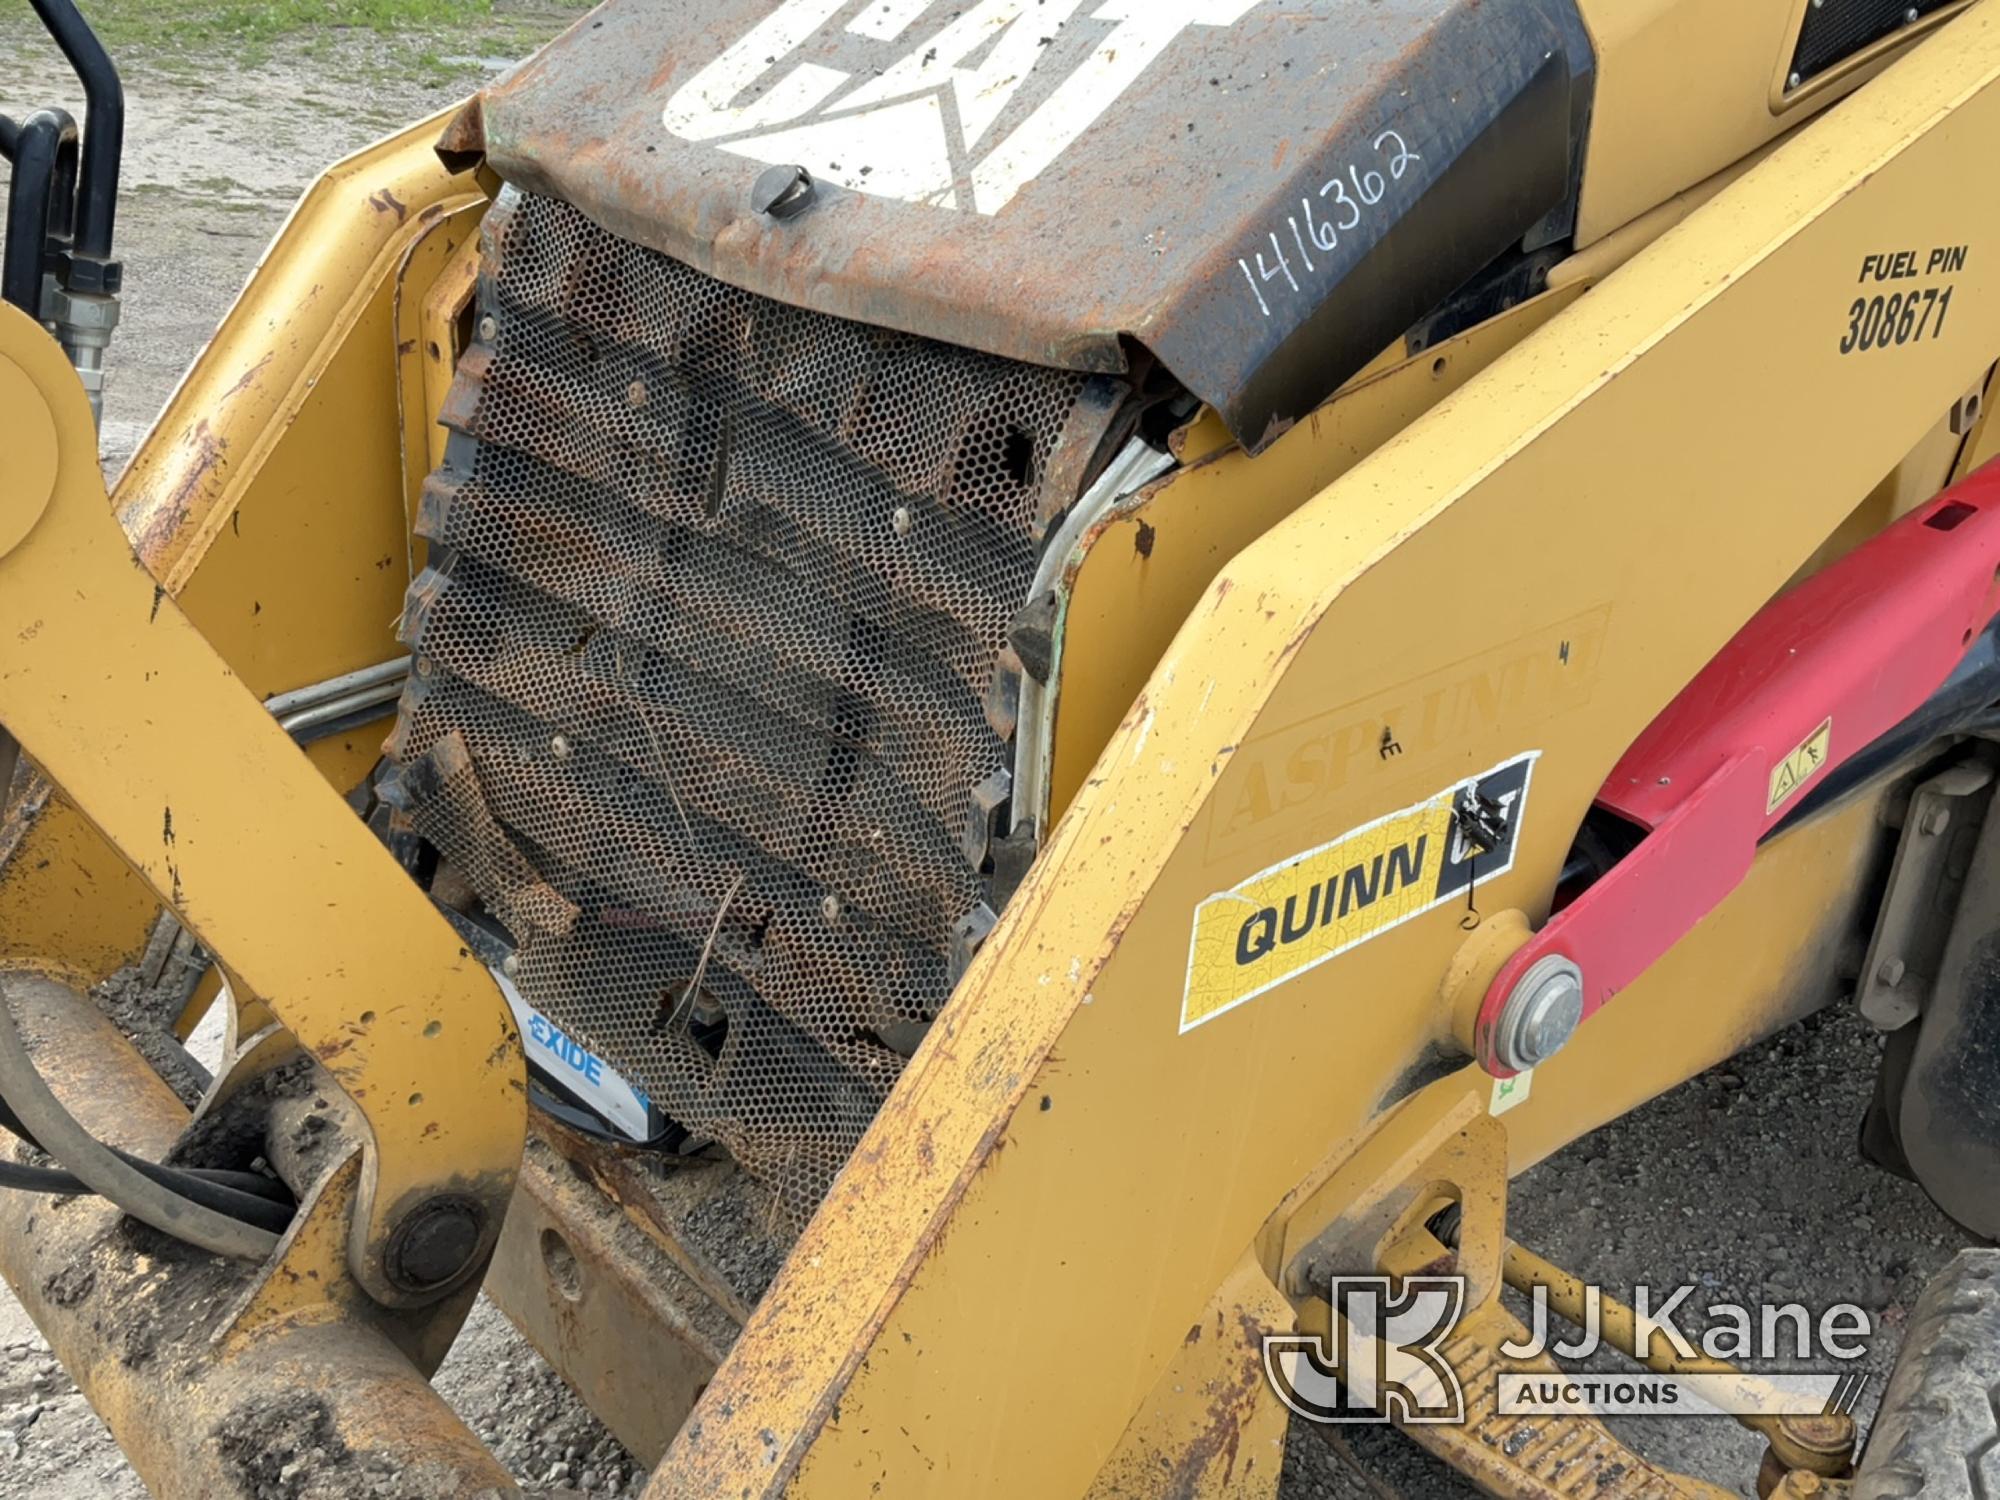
(1834, 30)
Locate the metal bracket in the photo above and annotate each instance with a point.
(1940, 833)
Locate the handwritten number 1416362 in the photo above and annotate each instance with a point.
(1344, 203)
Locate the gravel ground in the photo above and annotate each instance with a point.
(1744, 1181)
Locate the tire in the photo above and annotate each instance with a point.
(1937, 1434)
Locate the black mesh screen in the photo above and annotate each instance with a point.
(1834, 30)
(702, 666)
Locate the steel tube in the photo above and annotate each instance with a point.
(383, 675)
(310, 713)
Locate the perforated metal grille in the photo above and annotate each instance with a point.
(717, 591)
(1832, 31)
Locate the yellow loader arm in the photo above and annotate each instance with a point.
(122, 702)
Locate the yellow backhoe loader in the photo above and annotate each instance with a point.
(945, 726)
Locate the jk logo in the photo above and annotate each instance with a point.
(962, 112)
(1384, 1364)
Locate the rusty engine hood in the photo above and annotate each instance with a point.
(1263, 195)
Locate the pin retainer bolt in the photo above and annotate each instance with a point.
(1540, 1015)
(436, 1244)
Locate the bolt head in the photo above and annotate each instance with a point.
(902, 521)
(830, 908)
(1891, 972)
(511, 965)
(635, 393)
(1936, 821)
(436, 1243)
(489, 329)
(783, 192)
(1910, 16)
(561, 748)
(1540, 1015)
(1794, 81)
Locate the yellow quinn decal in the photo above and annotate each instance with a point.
(1315, 906)
(1796, 769)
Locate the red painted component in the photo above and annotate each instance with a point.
(1861, 643)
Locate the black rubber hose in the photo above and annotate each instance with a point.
(56, 1182)
(62, 1137)
(38, 151)
(104, 126)
(240, 1194)
(10, 134)
(62, 194)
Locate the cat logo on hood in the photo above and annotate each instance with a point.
(927, 128)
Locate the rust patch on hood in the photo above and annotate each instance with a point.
(1261, 196)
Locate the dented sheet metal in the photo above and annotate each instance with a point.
(1262, 196)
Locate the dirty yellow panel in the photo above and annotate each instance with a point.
(306, 581)
(69, 905)
(138, 717)
(1147, 564)
(271, 499)
(1684, 88)
(434, 286)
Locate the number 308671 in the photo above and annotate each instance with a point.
(1900, 318)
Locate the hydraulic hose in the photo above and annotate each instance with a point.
(100, 1169)
(241, 1195)
(104, 125)
(57, 1183)
(40, 146)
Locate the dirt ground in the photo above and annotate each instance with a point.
(1744, 1181)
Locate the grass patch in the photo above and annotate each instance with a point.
(434, 43)
(246, 31)
(185, 22)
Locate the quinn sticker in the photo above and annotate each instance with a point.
(1317, 905)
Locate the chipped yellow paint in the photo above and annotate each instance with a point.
(273, 501)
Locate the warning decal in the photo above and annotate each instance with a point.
(1315, 906)
(1796, 769)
